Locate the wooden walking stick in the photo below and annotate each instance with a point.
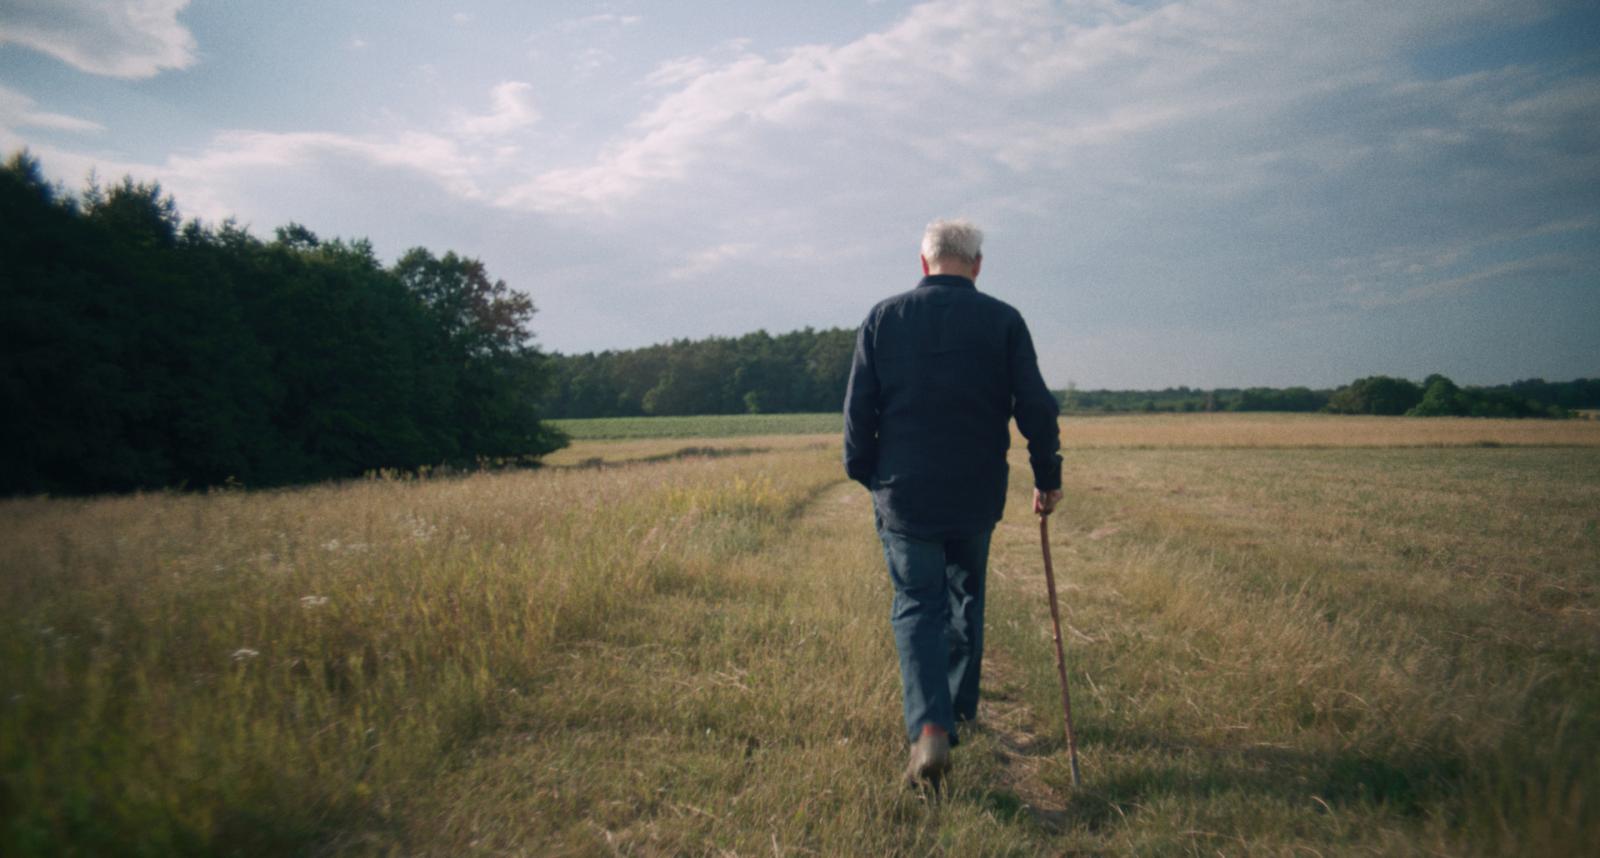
(1061, 656)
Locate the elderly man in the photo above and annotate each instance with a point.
(938, 373)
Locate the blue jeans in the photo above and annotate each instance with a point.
(938, 625)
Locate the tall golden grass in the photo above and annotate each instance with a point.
(1161, 431)
(1273, 650)
(1390, 648)
(185, 672)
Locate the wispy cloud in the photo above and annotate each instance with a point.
(116, 38)
(678, 71)
(511, 109)
(19, 111)
(591, 59)
(604, 19)
(704, 261)
(461, 157)
(1550, 263)
(239, 158)
(1091, 75)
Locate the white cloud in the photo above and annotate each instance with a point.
(678, 71)
(1033, 86)
(17, 111)
(591, 59)
(129, 39)
(236, 156)
(1107, 72)
(463, 158)
(512, 109)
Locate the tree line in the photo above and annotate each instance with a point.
(138, 351)
(806, 371)
(1191, 399)
(1436, 396)
(800, 371)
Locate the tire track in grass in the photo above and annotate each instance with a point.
(1018, 745)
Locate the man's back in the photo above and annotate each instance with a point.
(939, 371)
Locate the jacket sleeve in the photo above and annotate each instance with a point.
(1035, 408)
(861, 410)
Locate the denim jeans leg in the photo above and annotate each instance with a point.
(919, 615)
(966, 571)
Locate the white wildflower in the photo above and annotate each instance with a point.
(245, 654)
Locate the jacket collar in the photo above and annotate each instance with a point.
(947, 280)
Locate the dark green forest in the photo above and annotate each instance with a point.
(801, 371)
(139, 352)
(806, 371)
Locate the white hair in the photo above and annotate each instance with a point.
(952, 239)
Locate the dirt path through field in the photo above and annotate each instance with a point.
(1021, 751)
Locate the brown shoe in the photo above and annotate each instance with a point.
(930, 761)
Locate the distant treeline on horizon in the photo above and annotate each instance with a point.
(1435, 396)
(806, 370)
(758, 373)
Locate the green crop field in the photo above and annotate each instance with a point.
(1277, 646)
(708, 426)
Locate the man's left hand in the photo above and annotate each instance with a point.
(1044, 503)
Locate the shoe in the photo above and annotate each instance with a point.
(930, 761)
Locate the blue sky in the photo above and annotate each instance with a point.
(1200, 192)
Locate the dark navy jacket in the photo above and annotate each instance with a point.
(939, 372)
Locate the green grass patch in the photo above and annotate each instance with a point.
(701, 426)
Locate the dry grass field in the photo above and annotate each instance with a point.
(1287, 635)
(588, 453)
(1319, 430)
(1153, 431)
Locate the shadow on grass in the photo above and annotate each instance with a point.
(1407, 784)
